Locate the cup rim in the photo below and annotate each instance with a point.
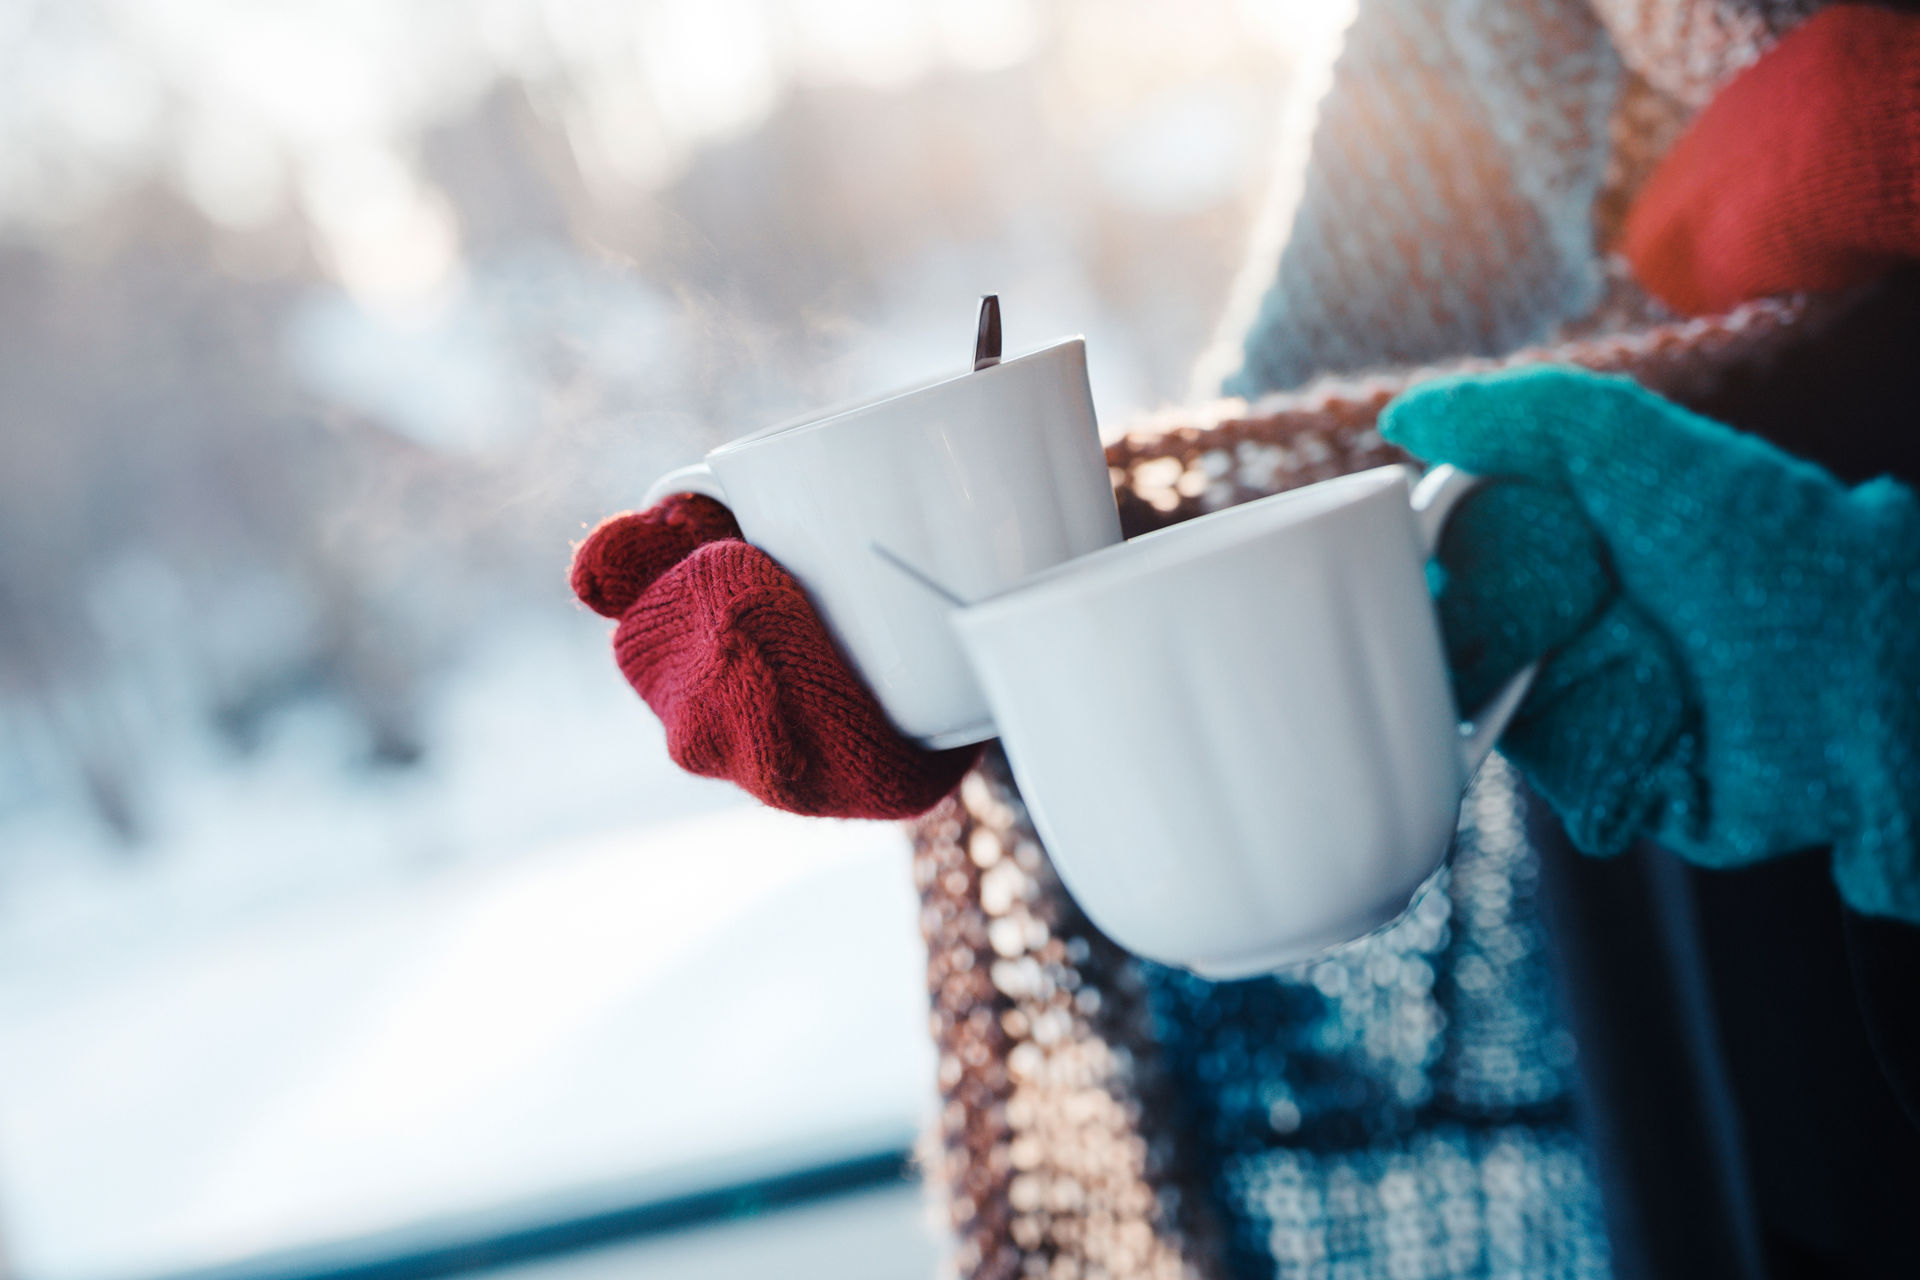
(840, 413)
(1180, 545)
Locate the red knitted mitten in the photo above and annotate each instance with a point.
(1802, 174)
(726, 649)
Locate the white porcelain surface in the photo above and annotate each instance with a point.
(1236, 735)
(978, 481)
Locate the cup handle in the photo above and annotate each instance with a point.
(1434, 499)
(696, 477)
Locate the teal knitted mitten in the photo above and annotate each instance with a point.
(1731, 636)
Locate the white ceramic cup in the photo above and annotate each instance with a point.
(1237, 735)
(976, 480)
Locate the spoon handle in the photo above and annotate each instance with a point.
(986, 344)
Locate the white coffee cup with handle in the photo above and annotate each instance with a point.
(1237, 735)
(979, 480)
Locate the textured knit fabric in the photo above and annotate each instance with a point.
(1689, 49)
(1448, 208)
(724, 646)
(1750, 687)
(1501, 606)
(1803, 174)
(1400, 1109)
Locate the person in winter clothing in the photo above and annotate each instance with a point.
(1725, 665)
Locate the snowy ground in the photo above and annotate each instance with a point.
(544, 965)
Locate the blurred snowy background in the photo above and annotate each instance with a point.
(343, 886)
